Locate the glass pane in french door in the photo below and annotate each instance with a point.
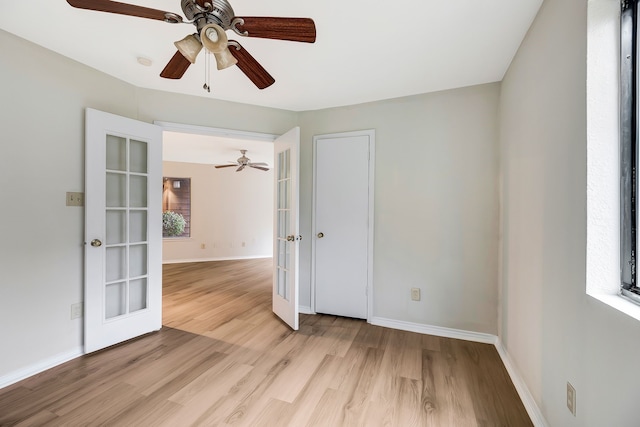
(283, 205)
(126, 229)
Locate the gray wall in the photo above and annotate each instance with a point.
(436, 204)
(553, 331)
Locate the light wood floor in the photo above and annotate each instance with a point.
(223, 359)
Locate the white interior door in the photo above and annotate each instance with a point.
(123, 229)
(286, 237)
(343, 223)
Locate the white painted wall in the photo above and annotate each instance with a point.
(436, 204)
(552, 330)
(231, 214)
(42, 120)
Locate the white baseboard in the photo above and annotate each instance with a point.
(36, 368)
(528, 401)
(184, 261)
(304, 309)
(435, 330)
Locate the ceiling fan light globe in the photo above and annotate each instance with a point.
(225, 59)
(213, 38)
(189, 47)
(212, 35)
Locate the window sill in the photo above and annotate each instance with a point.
(619, 303)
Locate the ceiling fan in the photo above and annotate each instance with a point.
(243, 162)
(212, 18)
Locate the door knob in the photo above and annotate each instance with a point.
(320, 235)
(96, 243)
(291, 238)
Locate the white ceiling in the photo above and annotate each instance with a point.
(365, 50)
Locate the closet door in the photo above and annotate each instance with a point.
(343, 223)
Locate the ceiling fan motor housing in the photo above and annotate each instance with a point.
(243, 160)
(217, 12)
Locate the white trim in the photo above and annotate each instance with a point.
(372, 164)
(435, 330)
(528, 401)
(619, 303)
(184, 261)
(303, 309)
(39, 367)
(219, 132)
(371, 133)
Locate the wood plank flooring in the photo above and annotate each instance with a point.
(223, 359)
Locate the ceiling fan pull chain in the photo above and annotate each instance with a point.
(207, 71)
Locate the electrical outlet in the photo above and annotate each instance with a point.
(75, 199)
(415, 294)
(76, 310)
(571, 398)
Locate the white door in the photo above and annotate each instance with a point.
(123, 229)
(343, 223)
(286, 237)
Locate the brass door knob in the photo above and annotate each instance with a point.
(291, 238)
(96, 243)
(320, 235)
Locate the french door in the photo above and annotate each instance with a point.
(286, 228)
(123, 229)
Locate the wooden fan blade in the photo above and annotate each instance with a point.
(240, 168)
(260, 164)
(258, 167)
(250, 67)
(226, 166)
(293, 29)
(123, 9)
(176, 67)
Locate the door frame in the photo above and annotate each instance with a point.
(233, 134)
(371, 134)
(220, 132)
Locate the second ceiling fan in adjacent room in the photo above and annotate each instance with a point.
(243, 162)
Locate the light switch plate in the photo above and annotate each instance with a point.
(76, 310)
(75, 199)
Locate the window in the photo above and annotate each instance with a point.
(628, 147)
(604, 246)
(176, 197)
